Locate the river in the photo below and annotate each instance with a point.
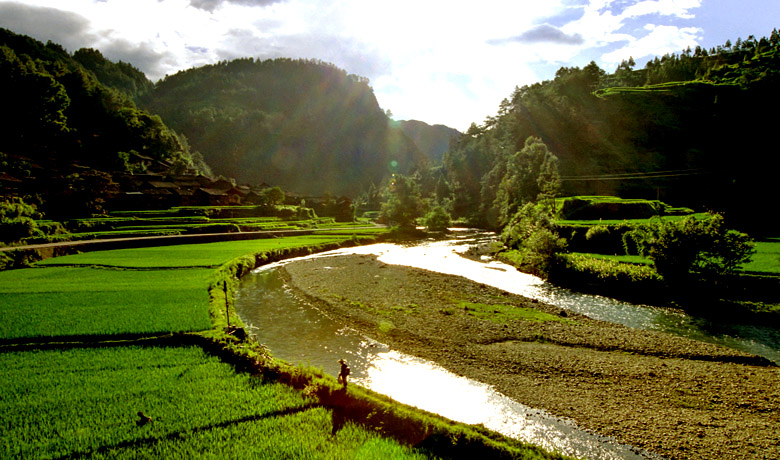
(297, 332)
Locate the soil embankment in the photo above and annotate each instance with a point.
(672, 396)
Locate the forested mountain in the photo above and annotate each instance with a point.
(64, 131)
(694, 129)
(56, 109)
(432, 140)
(306, 126)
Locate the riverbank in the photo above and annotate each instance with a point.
(672, 396)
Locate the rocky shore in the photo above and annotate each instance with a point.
(668, 395)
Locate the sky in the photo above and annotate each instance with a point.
(447, 62)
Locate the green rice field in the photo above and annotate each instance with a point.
(209, 255)
(766, 259)
(74, 301)
(83, 403)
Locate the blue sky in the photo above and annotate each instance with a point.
(440, 61)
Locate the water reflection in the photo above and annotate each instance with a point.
(445, 257)
(298, 333)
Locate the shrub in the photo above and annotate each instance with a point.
(693, 250)
(16, 221)
(437, 219)
(532, 232)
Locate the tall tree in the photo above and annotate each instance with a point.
(531, 175)
(403, 204)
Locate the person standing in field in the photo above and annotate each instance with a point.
(343, 373)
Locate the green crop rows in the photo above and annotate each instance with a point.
(84, 403)
(68, 301)
(77, 402)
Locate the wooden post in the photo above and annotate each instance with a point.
(227, 305)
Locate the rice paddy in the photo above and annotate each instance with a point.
(79, 403)
(89, 342)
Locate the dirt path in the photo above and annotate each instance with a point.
(672, 396)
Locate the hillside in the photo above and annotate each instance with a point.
(306, 126)
(432, 140)
(690, 129)
(64, 133)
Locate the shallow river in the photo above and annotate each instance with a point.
(299, 333)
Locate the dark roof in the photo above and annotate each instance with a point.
(212, 191)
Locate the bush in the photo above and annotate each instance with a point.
(437, 219)
(532, 232)
(607, 239)
(16, 221)
(693, 250)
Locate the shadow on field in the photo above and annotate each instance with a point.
(184, 434)
(65, 342)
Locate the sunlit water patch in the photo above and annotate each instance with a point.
(299, 333)
(446, 257)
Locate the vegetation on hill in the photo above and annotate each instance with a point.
(63, 130)
(307, 126)
(686, 129)
(433, 141)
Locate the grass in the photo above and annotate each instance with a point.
(84, 402)
(188, 255)
(70, 301)
(629, 259)
(502, 314)
(588, 223)
(766, 260)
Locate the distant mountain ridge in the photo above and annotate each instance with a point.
(306, 126)
(433, 140)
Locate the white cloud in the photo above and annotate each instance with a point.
(678, 8)
(659, 41)
(442, 61)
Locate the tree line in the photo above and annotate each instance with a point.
(696, 116)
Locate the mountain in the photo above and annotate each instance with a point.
(432, 140)
(693, 129)
(304, 125)
(63, 130)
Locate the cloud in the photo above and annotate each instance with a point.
(211, 5)
(659, 40)
(544, 33)
(63, 27)
(346, 53)
(140, 55)
(677, 8)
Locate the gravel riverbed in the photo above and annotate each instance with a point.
(672, 396)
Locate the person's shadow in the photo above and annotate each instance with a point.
(338, 412)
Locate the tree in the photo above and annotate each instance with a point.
(403, 204)
(531, 231)
(531, 175)
(693, 249)
(272, 196)
(437, 219)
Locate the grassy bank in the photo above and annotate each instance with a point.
(750, 296)
(145, 331)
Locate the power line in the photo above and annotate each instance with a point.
(637, 175)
